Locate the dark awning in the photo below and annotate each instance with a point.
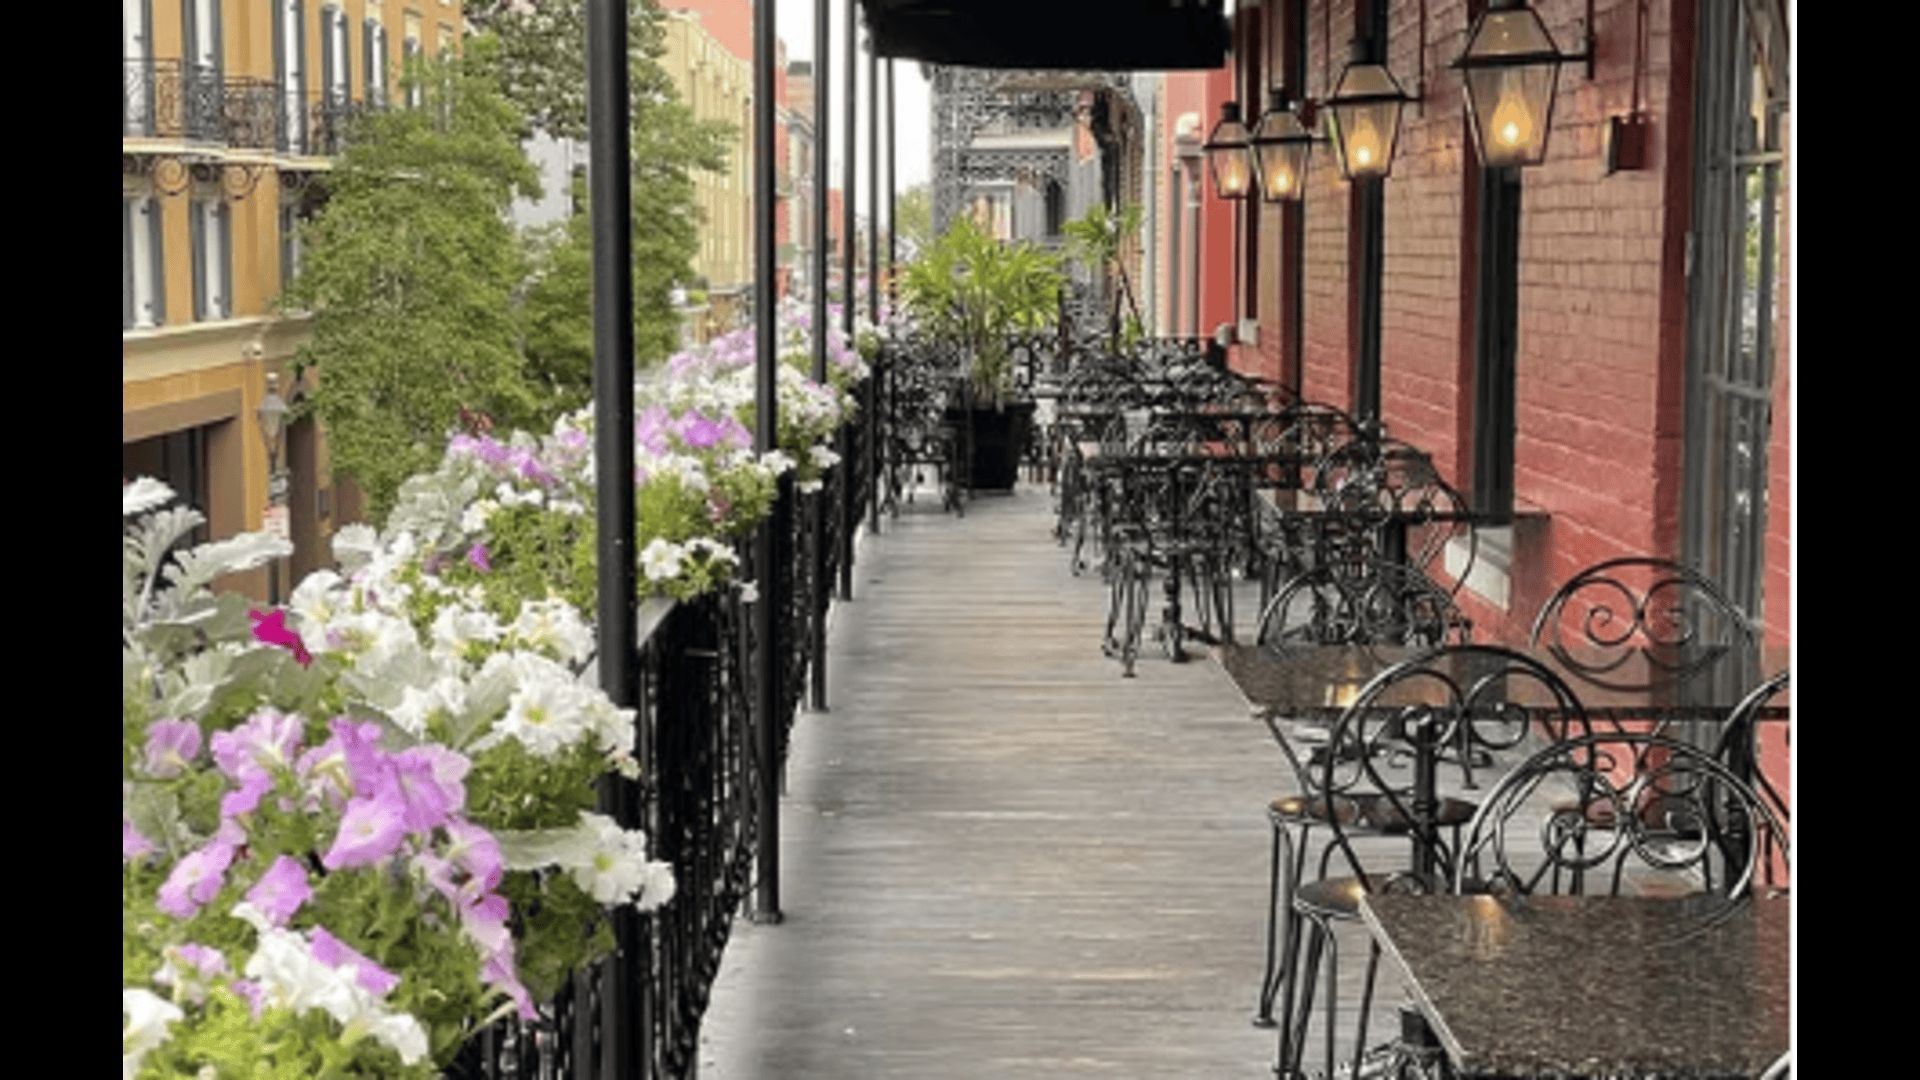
(1104, 35)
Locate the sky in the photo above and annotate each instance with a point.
(913, 152)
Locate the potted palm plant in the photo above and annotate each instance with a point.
(973, 292)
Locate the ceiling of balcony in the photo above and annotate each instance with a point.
(1104, 35)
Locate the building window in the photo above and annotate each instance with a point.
(335, 77)
(177, 459)
(410, 50)
(136, 45)
(373, 47)
(143, 278)
(1056, 207)
(289, 243)
(201, 83)
(1496, 328)
(1733, 293)
(289, 59)
(446, 41)
(212, 239)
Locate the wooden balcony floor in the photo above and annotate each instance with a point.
(1001, 859)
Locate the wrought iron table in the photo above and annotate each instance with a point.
(1592, 986)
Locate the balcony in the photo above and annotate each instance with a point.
(167, 100)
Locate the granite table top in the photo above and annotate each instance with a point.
(1593, 986)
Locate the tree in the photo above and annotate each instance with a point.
(411, 271)
(913, 209)
(541, 66)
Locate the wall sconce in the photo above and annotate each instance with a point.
(1512, 68)
(1365, 114)
(1230, 154)
(1282, 146)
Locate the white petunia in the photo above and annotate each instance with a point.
(808, 487)
(660, 560)
(554, 626)
(148, 1018)
(474, 519)
(749, 592)
(418, 704)
(455, 628)
(543, 716)
(824, 457)
(617, 867)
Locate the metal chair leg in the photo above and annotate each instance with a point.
(1293, 1023)
(1279, 897)
(1366, 1008)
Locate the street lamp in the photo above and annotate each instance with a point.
(1512, 67)
(1229, 154)
(1281, 145)
(1365, 114)
(272, 416)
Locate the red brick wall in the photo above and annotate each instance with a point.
(1600, 372)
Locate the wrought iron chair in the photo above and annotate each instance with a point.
(1739, 750)
(1392, 605)
(1690, 823)
(1432, 698)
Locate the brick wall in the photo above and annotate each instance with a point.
(1600, 383)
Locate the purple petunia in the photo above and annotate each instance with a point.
(267, 740)
(132, 844)
(477, 558)
(281, 890)
(197, 877)
(335, 953)
(246, 798)
(171, 747)
(370, 831)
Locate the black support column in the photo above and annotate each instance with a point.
(1370, 210)
(610, 194)
(873, 265)
(772, 556)
(848, 176)
(817, 596)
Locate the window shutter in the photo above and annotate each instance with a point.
(197, 242)
(327, 60)
(344, 58)
(157, 258)
(300, 72)
(219, 55)
(126, 263)
(370, 61)
(224, 218)
(380, 39)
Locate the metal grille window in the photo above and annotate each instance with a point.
(142, 298)
(212, 239)
(1733, 292)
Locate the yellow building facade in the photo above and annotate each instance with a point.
(718, 85)
(231, 110)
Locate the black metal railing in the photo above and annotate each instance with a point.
(638, 1012)
(169, 99)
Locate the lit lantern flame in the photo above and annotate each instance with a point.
(1280, 182)
(1512, 121)
(1366, 145)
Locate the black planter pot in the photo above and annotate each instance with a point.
(999, 436)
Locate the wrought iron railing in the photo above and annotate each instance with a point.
(169, 99)
(638, 1012)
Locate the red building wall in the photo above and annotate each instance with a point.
(1600, 382)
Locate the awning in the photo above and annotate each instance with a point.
(1102, 35)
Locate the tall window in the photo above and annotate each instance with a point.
(142, 295)
(335, 77)
(1056, 207)
(290, 71)
(410, 51)
(1733, 292)
(212, 238)
(289, 242)
(200, 84)
(373, 47)
(136, 47)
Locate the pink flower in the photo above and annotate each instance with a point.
(268, 740)
(197, 878)
(171, 747)
(246, 798)
(272, 630)
(370, 831)
(281, 890)
(132, 844)
(477, 557)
